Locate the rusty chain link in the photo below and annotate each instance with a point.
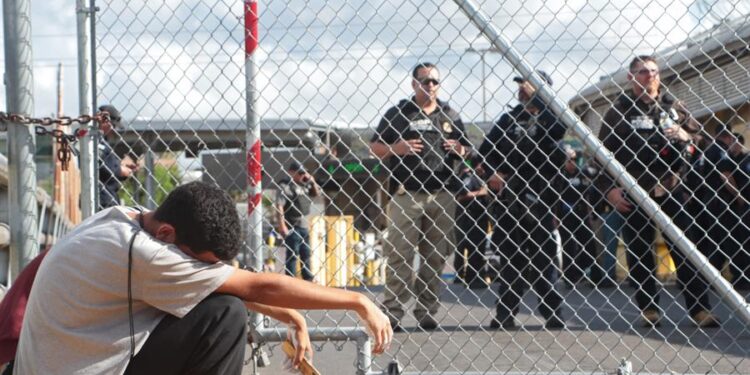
(49, 121)
(64, 141)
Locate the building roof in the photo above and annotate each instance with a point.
(725, 38)
(198, 134)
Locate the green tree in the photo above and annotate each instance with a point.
(134, 190)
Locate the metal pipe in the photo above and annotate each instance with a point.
(358, 334)
(364, 354)
(252, 149)
(87, 158)
(279, 334)
(607, 159)
(24, 244)
(95, 130)
(150, 178)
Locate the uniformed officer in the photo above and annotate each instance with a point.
(471, 225)
(293, 203)
(734, 167)
(112, 170)
(716, 218)
(522, 158)
(741, 205)
(574, 214)
(421, 139)
(648, 131)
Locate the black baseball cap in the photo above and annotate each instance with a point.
(296, 167)
(114, 115)
(545, 77)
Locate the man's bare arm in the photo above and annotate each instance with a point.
(283, 230)
(402, 147)
(295, 320)
(380, 150)
(283, 291)
(282, 314)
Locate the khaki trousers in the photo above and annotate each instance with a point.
(422, 222)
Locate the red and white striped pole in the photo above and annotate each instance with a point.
(252, 148)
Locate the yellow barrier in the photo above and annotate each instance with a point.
(665, 267)
(333, 259)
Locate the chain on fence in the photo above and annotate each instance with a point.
(525, 187)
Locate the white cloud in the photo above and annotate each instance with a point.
(343, 60)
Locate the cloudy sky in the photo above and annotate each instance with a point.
(343, 60)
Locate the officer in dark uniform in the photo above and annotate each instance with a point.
(112, 170)
(649, 131)
(574, 213)
(471, 225)
(293, 202)
(523, 157)
(421, 139)
(734, 167)
(716, 219)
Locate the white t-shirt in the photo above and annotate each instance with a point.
(77, 320)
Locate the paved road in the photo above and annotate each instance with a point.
(602, 328)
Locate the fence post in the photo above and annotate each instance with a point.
(252, 148)
(94, 106)
(24, 244)
(87, 158)
(606, 158)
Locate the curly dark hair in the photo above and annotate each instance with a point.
(205, 219)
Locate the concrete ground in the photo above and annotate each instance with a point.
(603, 327)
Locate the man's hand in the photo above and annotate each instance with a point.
(307, 177)
(407, 147)
(128, 167)
(283, 230)
(496, 183)
(676, 133)
(298, 334)
(378, 325)
(616, 197)
(453, 146)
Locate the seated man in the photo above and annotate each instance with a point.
(141, 293)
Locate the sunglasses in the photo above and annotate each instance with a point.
(427, 81)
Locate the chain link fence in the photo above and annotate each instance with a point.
(495, 229)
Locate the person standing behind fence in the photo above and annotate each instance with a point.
(421, 138)
(471, 225)
(740, 177)
(293, 203)
(112, 170)
(648, 131)
(576, 233)
(522, 158)
(715, 219)
(607, 225)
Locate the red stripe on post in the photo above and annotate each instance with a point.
(251, 26)
(252, 203)
(253, 164)
(253, 175)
